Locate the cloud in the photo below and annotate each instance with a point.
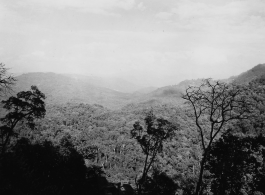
(183, 38)
(124, 4)
(164, 15)
(141, 6)
(208, 55)
(39, 54)
(44, 42)
(34, 55)
(2, 12)
(93, 6)
(201, 15)
(7, 15)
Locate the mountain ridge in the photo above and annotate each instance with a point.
(61, 88)
(250, 74)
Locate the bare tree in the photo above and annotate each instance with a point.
(215, 104)
(6, 80)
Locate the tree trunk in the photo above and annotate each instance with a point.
(199, 183)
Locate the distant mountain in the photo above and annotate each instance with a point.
(183, 85)
(114, 92)
(175, 90)
(171, 94)
(62, 89)
(229, 80)
(251, 74)
(245, 77)
(167, 91)
(145, 90)
(113, 83)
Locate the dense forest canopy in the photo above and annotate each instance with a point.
(204, 139)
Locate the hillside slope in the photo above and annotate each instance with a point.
(251, 74)
(61, 89)
(116, 84)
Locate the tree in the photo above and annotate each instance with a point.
(215, 105)
(44, 168)
(151, 138)
(25, 107)
(161, 184)
(6, 81)
(255, 124)
(236, 165)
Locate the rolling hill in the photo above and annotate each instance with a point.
(116, 84)
(251, 74)
(176, 90)
(114, 93)
(60, 89)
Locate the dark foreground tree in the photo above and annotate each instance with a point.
(160, 184)
(25, 108)
(6, 80)
(151, 138)
(237, 165)
(214, 105)
(43, 168)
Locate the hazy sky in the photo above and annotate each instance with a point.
(157, 42)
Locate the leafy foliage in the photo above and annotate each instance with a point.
(160, 184)
(45, 168)
(237, 165)
(25, 107)
(151, 138)
(89, 149)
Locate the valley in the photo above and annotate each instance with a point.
(95, 122)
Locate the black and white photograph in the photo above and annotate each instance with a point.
(132, 97)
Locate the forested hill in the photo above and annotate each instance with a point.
(177, 90)
(250, 75)
(113, 83)
(60, 89)
(108, 131)
(75, 142)
(113, 93)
